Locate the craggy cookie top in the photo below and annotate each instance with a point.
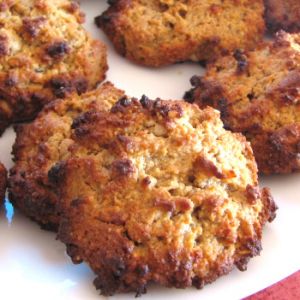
(42, 143)
(162, 32)
(258, 94)
(158, 191)
(45, 53)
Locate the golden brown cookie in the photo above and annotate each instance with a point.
(161, 32)
(3, 175)
(41, 144)
(45, 53)
(283, 15)
(159, 191)
(258, 94)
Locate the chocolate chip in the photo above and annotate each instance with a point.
(195, 81)
(242, 264)
(122, 167)
(145, 101)
(164, 109)
(121, 104)
(118, 267)
(124, 101)
(58, 50)
(250, 96)
(189, 96)
(198, 282)
(241, 58)
(60, 87)
(56, 173)
(81, 85)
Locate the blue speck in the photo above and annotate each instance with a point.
(9, 211)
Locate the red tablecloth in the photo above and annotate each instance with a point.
(287, 289)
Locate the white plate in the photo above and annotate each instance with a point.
(33, 265)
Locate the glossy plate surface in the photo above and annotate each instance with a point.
(33, 265)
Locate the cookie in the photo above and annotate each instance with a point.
(283, 15)
(258, 94)
(2, 182)
(159, 192)
(45, 53)
(41, 144)
(161, 32)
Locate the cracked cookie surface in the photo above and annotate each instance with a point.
(158, 191)
(162, 32)
(258, 94)
(41, 144)
(45, 53)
